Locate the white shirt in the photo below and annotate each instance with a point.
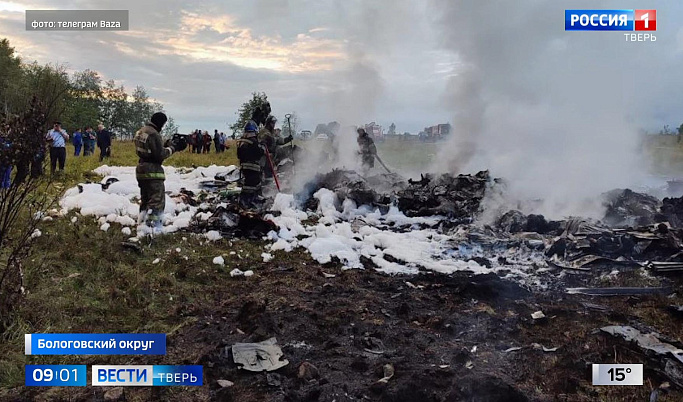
(58, 138)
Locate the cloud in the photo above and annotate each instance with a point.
(327, 60)
(219, 38)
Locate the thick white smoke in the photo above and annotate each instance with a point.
(554, 113)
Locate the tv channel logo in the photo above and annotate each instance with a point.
(157, 375)
(610, 20)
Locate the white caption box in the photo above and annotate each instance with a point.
(617, 374)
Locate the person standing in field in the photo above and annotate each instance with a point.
(367, 149)
(224, 142)
(57, 138)
(88, 138)
(207, 142)
(268, 136)
(78, 142)
(149, 172)
(103, 142)
(217, 141)
(192, 141)
(249, 153)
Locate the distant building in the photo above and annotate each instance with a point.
(375, 130)
(435, 133)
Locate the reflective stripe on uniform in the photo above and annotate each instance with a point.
(145, 150)
(250, 166)
(150, 175)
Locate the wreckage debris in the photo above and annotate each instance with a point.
(231, 220)
(451, 196)
(627, 208)
(585, 243)
(516, 222)
(650, 342)
(261, 356)
(445, 195)
(620, 291)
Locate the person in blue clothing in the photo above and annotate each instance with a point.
(5, 164)
(78, 142)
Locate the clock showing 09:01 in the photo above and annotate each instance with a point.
(46, 375)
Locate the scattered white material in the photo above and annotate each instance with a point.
(213, 235)
(74, 219)
(218, 260)
(177, 250)
(356, 235)
(236, 272)
(119, 202)
(248, 273)
(47, 219)
(126, 231)
(225, 383)
(537, 315)
(36, 234)
(156, 261)
(132, 239)
(105, 226)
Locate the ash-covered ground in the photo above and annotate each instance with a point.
(407, 278)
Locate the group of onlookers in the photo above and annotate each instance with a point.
(200, 142)
(88, 138)
(56, 140)
(82, 140)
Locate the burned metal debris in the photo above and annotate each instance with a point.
(445, 195)
(452, 196)
(233, 221)
(627, 208)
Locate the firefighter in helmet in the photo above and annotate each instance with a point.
(150, 173)
(249, 153)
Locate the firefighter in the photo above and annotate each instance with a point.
(367, 149)
(150, 173)
(250, 152)
(272, 141)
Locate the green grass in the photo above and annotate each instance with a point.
(123, 153)
(664, 154)
(79, 278)
(408, 155)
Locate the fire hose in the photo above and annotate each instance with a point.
(382, 163)
(272, 169)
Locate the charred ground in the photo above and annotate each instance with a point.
(448, 337)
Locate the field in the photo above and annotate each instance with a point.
(444, 335)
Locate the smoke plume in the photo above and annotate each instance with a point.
(554, 113)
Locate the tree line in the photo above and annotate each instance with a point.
(77, 100)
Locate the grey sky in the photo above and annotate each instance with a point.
(352, 61)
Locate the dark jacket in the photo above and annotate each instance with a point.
(152, 153)
(366, 145)
(103, 139)
(249, 152)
